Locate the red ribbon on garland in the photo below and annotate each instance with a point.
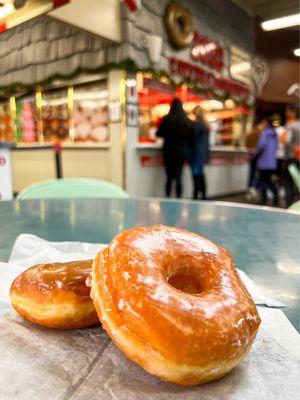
(3, 27)
(59, 3)
(133, 5)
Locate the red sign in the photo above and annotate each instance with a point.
(208, 52)
(152, 161)
(193, 72)
(234, 88)
(207, 79)
(2, 161)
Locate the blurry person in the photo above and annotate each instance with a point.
(199, 152)
(265, 154)
(251, 143)
(292, 145)
(175, 128)
(280, 153)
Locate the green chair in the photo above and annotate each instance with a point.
(295, 174)
(72, 188)
(295, 206)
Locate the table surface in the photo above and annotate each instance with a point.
(264, 243)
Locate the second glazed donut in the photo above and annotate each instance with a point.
(55, 295)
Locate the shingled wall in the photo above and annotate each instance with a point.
(40, 48)
(219, 20)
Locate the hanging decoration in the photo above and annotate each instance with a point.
(133, 5)
(127, 65)
(261, 73)
(179, 25)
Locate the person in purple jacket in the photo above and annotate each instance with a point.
(265, 155)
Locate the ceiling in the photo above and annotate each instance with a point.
(268, 9)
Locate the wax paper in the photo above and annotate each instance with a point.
(43, 364)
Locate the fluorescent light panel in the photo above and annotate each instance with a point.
(6, 10)
(281, 23)
(297, 52)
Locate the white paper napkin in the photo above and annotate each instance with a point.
(84, 364)
(29, 250)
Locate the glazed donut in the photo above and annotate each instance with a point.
(179, 25)
(55, 295)
(173, 302)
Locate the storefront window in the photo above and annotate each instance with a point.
(7, 129)
(91, 121)
(55, 115)
(227, 119)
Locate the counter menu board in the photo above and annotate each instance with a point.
(55, 115)
(7, 128)
(91, 114)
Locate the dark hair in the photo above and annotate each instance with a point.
(177, 113)
(269, 121)
(294, 108)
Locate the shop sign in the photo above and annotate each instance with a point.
(195, 73)
(208, 52)
(208, 80)
(152, 161)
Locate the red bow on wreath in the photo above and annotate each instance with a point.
(133, 5)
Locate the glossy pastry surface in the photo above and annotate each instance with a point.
(173, 303)
(55, 295)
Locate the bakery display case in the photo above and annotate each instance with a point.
(56, 116)
(227, 120)
(27, 120)
(7, 126)
(72, 115)
(90, 114)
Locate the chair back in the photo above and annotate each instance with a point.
(74, 188)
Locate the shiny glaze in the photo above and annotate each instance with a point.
(64, 276)
(206, 319)
(55, 295)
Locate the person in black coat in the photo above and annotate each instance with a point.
(175, 128)
(199, 153)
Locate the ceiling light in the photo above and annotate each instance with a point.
(280, 23)
(297, 52)
(6, 10)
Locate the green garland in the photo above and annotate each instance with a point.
(127, 65)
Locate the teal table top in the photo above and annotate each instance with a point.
(264, 243)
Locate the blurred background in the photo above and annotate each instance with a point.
(85, 86)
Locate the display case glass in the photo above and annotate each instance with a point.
(90, 116)
(55, 115)
(7, 127)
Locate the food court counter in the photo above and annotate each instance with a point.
(227, 172)
(33, 163)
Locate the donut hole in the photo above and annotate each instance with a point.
(180, 22)
(185, 282)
